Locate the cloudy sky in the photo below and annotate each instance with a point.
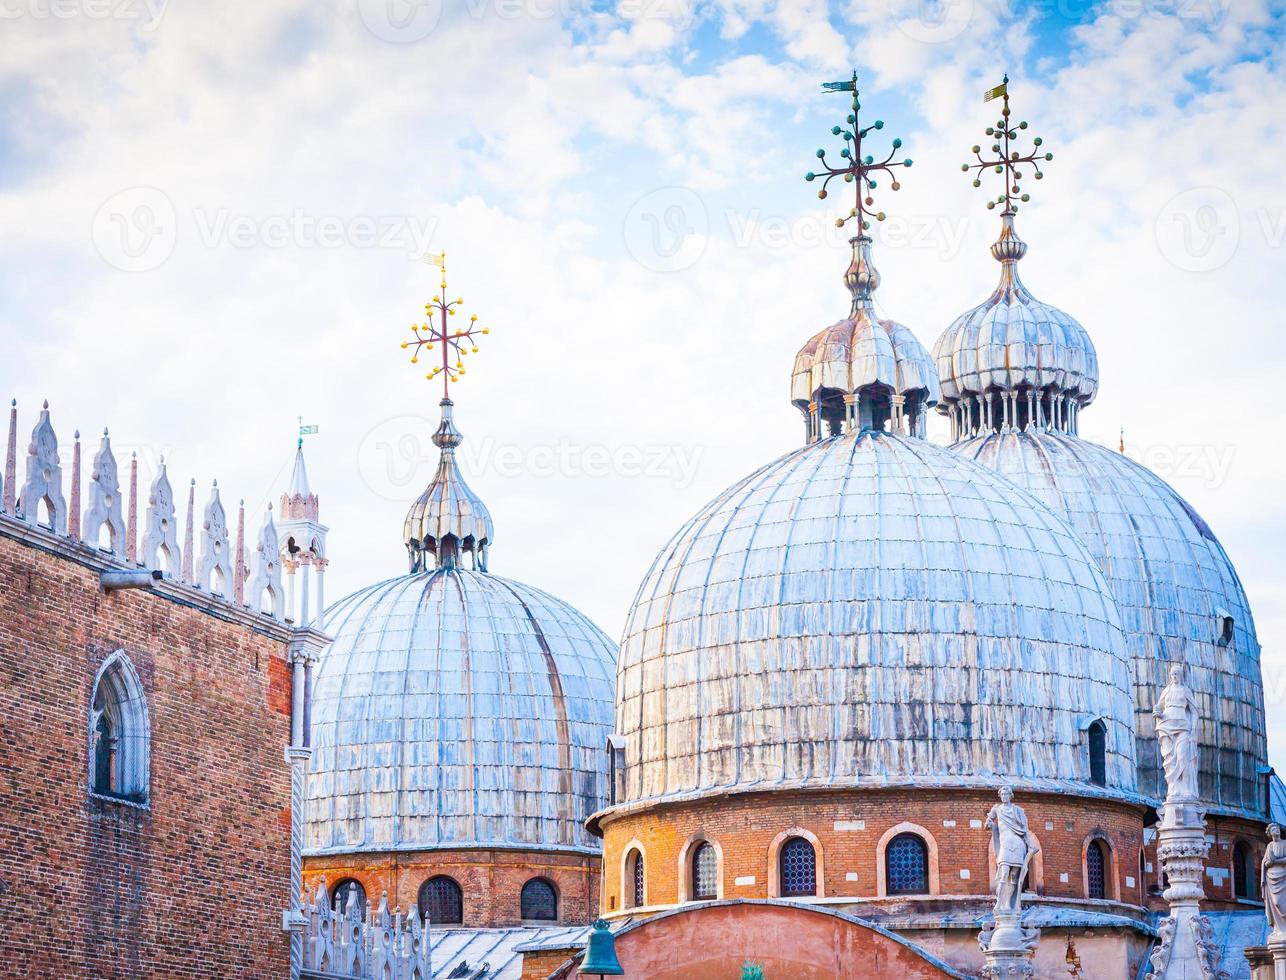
(213, 216)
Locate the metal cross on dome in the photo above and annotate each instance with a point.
(858, 169)
(1007, 158)
(452, 345)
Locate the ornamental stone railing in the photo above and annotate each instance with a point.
(382, 945)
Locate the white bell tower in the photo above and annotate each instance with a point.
(303, 544)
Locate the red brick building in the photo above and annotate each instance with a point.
(146, 801)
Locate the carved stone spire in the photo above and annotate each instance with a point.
(189, 545)
(11, 462)
(104, 507)
(131, 518)
(239, 558)
(73, 516)
(161, 535)
(214, 570)
(265, 571)
(44, 483)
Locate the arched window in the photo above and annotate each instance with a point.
(907, 865)
(705, 872)
(1243, 878)
(1098, 753)
(798, 868)
(441, 900)
(634, 886)
(349, 890)
(118, 732)
(539, 900)
(1096, 870)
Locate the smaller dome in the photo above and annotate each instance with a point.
(857, 369)
(448, 519)
(1014, 360)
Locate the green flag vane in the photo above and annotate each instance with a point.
(856, 168)
(1008, 159)
(305, 430)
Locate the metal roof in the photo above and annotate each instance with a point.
(457, 708)
(1174, 587)
(871, 610)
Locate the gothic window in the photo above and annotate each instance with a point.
(539, 900)
(798, 868)
(1098, 753)
(634, 870)
(118, 731)
(1096, 869)
(705, 871)
(346, 890)
(907, 865)
(1243, 878)
(442, 901)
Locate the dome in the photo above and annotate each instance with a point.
(1014, 358)
(455, 708)
(1179, 598)
(872, 610)
(863, 354)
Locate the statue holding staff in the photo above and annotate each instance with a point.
(1014, 849)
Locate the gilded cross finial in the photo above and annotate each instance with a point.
(1008, 159)
(452, 345)
(857, 169)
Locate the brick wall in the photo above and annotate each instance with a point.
(491, 880)
(849, 826)
(191, 886)
(1224, 833)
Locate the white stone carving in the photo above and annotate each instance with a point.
(265, 571)
(44, 477)
(104, 509)
(214, 571)
(387, 945)
(161, 534)
(1176, 729)
(1273, 881)
(1008, 946)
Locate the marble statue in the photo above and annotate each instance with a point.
(1273, 881)
(1013, 847)
(1176, 729)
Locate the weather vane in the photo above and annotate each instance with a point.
(453, 345)
(857, 169)
(1008, 159)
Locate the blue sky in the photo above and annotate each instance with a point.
(213, 216)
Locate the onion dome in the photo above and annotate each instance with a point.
(448, 519)
(1013, 360)
(872, 610)
(863, 359)
(1178, 594)
(456, 708)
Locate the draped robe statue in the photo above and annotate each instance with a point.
(1273, 882)
(1176, 729)
(1014, 849)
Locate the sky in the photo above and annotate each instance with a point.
(214, 218)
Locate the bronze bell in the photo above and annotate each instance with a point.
(600, 953)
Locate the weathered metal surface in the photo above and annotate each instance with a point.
(1174, 586)
(1012, 340)
(457, 708)
(872, 610)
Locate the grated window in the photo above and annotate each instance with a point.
(705, 872)
(637, 871)
(539, 900)
(907, 865)
(441, 900)
(798, 868)
(1095, 865)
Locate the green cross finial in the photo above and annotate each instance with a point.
(1007, 159)
(857, 169)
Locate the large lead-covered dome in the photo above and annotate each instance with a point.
(455, 708)
(1178, 594)
(872, 610)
